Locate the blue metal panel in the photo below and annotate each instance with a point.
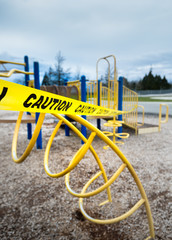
(37, 86)
(84, 99)
(98, 102)
(120, 99)
(26, 68)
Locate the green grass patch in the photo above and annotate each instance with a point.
(150, 99)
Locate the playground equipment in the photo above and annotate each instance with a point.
(143, 128)
(110, 96)
(110, 99)
(79, 154)
(6, 73)
(116, 96)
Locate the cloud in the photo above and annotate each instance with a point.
(160, 63)
(135, 32)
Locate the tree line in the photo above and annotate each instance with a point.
(149, 82)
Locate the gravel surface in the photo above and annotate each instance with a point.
(35, 206)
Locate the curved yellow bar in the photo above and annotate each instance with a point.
(160, 114)
(8, 74)
(125, 161)
(112, 123)
(98, 190)
(77, 158)
(108, 221)
(32, 141)
(122, 135)
(73, 128)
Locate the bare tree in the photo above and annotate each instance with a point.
(60, 73)
(57, 75)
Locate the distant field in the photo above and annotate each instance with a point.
(150, 99)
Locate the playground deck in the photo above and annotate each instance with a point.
(147, 128)
(11, 119)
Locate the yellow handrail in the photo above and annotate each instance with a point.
(8, 74)
(9, 62)
(160, 114)
(130, 99)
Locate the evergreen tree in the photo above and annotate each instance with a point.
(151, 82)
(46, 80)
(125, 82)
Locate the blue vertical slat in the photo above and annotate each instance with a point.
(98, 102)
(26, 68)
(37, 86)
(67, 129)
(120, 98)
(83, 98)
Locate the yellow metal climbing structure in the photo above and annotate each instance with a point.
(131, 101)
(75, 161)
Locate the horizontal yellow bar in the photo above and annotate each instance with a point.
(8, 62)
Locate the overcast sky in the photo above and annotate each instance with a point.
(138, 33)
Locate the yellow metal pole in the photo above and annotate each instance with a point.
(8, 62)
(160, 115)
(32, 141)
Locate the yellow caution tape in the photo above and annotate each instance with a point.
(15, 97)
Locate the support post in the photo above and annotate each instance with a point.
(120, 102)
(65, 81)
(98, 103)
(37, 86)
(26, 68)
(67, 129)
(84, 99)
